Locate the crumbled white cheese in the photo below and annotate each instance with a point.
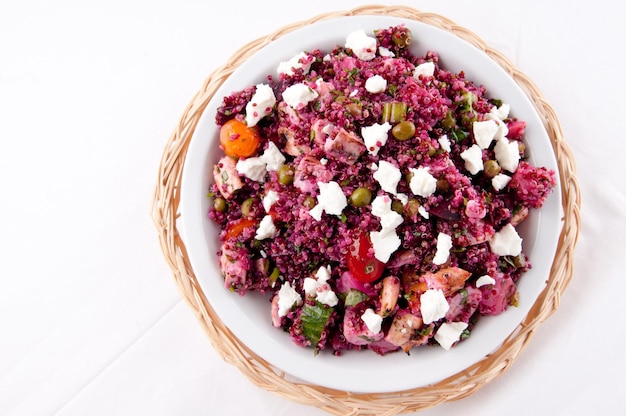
(485, 280)
(484, 132)
(260, 105)
(270, 199)
(473, 157)
(287, 297)
(298, 61)
(501, 112)
(266, 229)
(328, 297)
(449, 333)
(372, 320)
(403, 198)
(375, 136)
(273, 157)
(298, 95)
(385, 53)
(385, 243)
(422, 182)
(434, 305)
(444, 244)
(422, 211)
(376, 84)
(507, 154)
(444, 142)
(331, 199)
(318, 287)
(388, 176)
(363, 46)
(252, 168)
(427, 69)
(506, 242)
(500, 181)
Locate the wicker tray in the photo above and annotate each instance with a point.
(165, 212)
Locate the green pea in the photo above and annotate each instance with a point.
(309, 202)
(220, 205)
(403, 131)
(285, 175)
(246, 207)
(491, 168)
(361, 197)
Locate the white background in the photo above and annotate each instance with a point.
(91, 322)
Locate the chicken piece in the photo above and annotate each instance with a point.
(346, 147)
(226, 177)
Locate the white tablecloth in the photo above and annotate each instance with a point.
(91, 322)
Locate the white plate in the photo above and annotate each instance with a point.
(248, 317)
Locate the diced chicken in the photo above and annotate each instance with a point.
(356, 331)
(449, 280)
(345, 147)
(406, 330)
(389, 295)
(235, 264)
(276, 320)
(226, 177)
(309, 172)
(320, 129)
(463, 304)
(292, 147)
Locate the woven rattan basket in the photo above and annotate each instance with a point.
(165, 212)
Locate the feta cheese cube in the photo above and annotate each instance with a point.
(502, 112)
(287, 297)
(252, 168)
(375, 136)
(298, 61)
(473, 157)
(444, 244)
(500, 181)
(422, 211)
(260, 105)
(485, 280)
(385, 243)
(484, 132)
(327, 297)
(444, 142)
(388, 176)
(331, 199)
(363, 46)
(449, 333)
(372, 320)
(422, 182)
(266, 229)
(273, 157)
(384, 52)
(507, 154)
(270, 199)
(427, 69)
(375, 84)
(434, 305)
(298, 95)
(506, 242)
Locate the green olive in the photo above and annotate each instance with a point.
(309, 202)
(491, 168)
(443, 185)
(397, 207)
(361, 197)
(431, 150)
(449, 122)
(285, 175)
(402, 37)
(220, 204)
(412, 207)
(246, 207)
(403, 130)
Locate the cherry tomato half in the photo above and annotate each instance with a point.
(239, 140)
(235, 228)
(361, 261)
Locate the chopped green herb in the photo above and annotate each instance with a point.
(314, 320)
